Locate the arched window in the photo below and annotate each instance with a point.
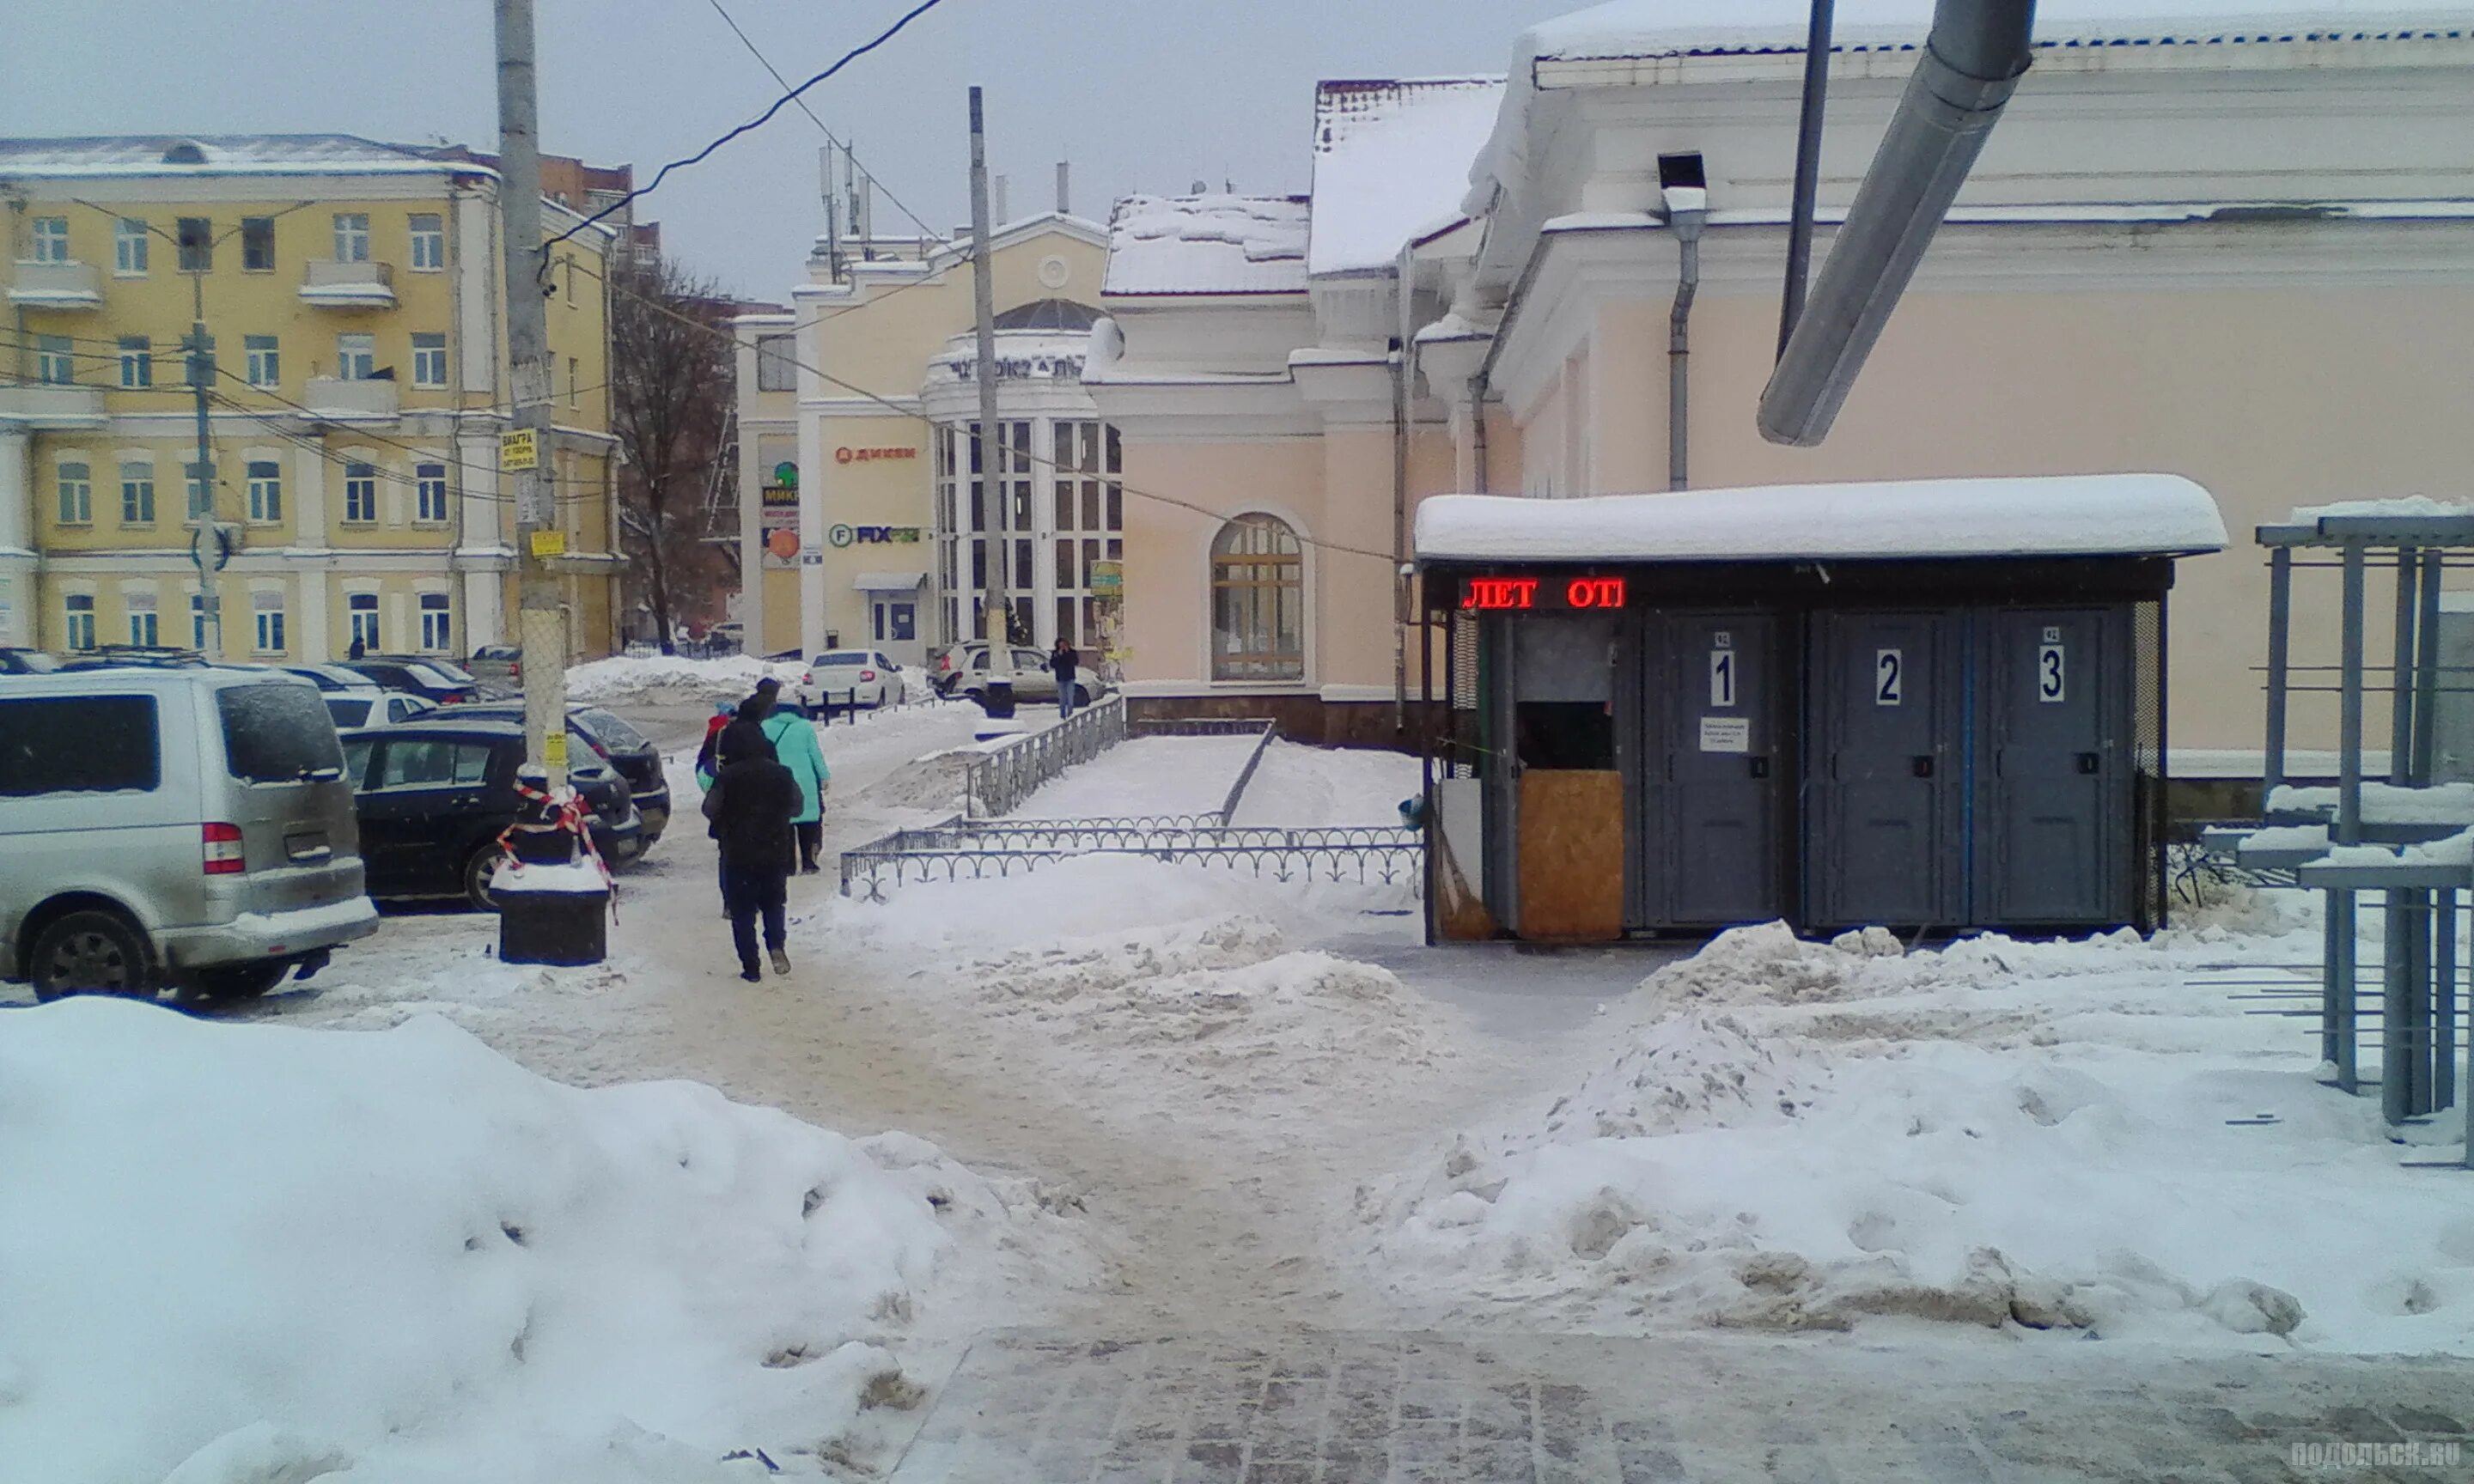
(1258, 621)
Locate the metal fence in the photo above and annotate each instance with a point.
(1005, 777)
(965, 849)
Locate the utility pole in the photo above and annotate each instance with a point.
(997, 511)
(526, 455)
(206, 543)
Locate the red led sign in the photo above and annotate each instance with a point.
(1498, 593)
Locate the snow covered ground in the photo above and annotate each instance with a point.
(2086, 1137)
(1171, 1099)
(249, 1253)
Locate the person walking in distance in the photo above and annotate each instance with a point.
(1062, 662)
(749, 809)
(794, 743)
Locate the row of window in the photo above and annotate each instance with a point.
(194, 239)
(266, 622)
(73, 486)
(56, 360)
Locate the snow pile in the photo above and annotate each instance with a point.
(2120, 1153)
(1145, 776)
(667, 678)
(1769, 965)
(277, 1254)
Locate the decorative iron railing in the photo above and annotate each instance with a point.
(1001, 781)
(961, 850)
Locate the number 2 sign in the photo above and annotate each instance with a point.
(1889, 677)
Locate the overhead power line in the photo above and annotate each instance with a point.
(758, 122)
(985, 435)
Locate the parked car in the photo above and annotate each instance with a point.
(15, 660)
(374, 708)
(1032, 680)
(183, 826)
(614, 740)
(433, 798)
(331, 678)
(442, 681)
(119, 655)
(866, 677)
(957, 661)
(500, 665)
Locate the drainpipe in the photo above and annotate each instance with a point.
(1687, 207)
(1477, 429)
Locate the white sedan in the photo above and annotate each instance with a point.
(861, 676)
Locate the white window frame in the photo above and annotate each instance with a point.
(361, 491)
(430, 361)
(265, 361)
(429, 484)
(266, 622)
(265, 492)
(55, 360)
(356, 355)
(438, 638)
(138, 604)
(73, 494)
(352, 236)
(777, 366)
(368, 634)
(197, 620)
(136, 362)
(52, 239)
(130, 250)
(428, 244)
(137, 475)
(75, 634)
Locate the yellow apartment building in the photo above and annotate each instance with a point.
(356, 382)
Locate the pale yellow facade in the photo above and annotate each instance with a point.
(856, 410)
(351, 298)
(2272, 294)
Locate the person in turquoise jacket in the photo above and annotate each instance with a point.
(794, 743)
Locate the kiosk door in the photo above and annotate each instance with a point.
(1885, 835)
(1716, 842)
(1569, 806)
(2056, 810)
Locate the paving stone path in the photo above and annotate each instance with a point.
(1039, 1407)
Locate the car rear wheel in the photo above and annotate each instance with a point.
(478, 872)
(91, 953)
(245, 981)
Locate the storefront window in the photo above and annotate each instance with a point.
(1257, 600)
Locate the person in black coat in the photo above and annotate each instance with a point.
(749, 808)
(1062, 662)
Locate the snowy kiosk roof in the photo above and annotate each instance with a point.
(2066, 516)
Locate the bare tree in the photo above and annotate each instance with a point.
(671, 392)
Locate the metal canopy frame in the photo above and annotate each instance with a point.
(2418, 1003)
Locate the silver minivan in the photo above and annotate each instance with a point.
(183, 825)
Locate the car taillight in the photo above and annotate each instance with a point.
(868, 675)
(807, 679)
(222, 850)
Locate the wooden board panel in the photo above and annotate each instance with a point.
(1571, 825)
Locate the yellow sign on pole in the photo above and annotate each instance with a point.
(549, 544)
(518, 450)
(554, 748)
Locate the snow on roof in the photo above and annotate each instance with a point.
(1724, 28)
(1624, 28)
(2407, 506)
(1392, 162)
(1210, 243)
(2084, 514)
(163, 155)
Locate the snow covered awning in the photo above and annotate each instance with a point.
(2065, 515)
(889, 582)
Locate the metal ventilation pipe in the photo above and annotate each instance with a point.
(1688, 208)
(1972, 60)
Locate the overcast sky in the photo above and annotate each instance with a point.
(1139, 94)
